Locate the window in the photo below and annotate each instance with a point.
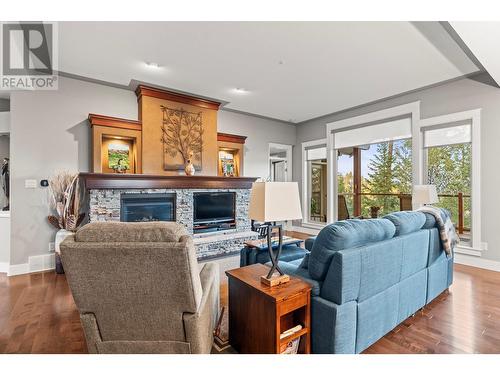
(448, 162)
(374, 168)
(314, 187)
(451, 160)
(443, 150)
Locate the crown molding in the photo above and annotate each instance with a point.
(143, 90)
(233, 138)
(114, 122)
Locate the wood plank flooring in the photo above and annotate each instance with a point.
(38, 315)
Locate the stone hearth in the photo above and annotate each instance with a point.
(105, 205)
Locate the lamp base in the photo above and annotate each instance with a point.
(274, 280)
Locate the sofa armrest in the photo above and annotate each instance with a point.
(200, 326)
(309, 243)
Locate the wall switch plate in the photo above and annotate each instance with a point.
(30, 184)
(52, 247)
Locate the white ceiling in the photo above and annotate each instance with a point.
(482, 39)
(326, 66)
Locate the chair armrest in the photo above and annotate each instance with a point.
(200, 325)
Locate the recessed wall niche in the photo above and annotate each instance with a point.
(231, 149)
(116, 145)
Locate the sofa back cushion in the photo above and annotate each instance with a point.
(406, 221)
(342, 235)
(130, 232)
(358, 274)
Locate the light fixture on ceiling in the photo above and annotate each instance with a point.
(240, 90)
(152, 65)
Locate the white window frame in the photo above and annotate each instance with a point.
(411, 109)
(474, 117)
(305, 183)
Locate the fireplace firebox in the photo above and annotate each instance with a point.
(147, 207)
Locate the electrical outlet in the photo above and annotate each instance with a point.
(52, 247)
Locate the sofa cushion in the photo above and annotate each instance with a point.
(309, 243)
(288, 254)
(343, 235)
(430, 221)
(293, 268)
(406, 221)
(130, 232)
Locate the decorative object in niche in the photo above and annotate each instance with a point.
(227, 162)
(182, 136)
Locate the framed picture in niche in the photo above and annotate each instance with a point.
(119, 157)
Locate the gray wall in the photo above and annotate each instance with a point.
(260, 133)
(456, 96)
(49, 133)
(4, 105)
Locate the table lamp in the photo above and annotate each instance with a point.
(424, 195)
(272, 202)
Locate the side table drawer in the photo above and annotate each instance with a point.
(293, 303)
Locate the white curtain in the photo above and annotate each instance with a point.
(450, 135)
(377, 133)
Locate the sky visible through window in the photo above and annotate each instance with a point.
(345, 164)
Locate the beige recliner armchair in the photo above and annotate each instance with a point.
(139, 288)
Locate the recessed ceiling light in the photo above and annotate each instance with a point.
(240, 90)
(152, 65)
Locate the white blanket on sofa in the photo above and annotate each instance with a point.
(447, 232)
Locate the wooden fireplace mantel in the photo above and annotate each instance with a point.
(142, 181)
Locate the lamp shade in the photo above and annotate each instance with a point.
(424, 194)
(274, 201)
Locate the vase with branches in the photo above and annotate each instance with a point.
(65, 199)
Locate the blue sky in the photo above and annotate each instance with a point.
(345, 162)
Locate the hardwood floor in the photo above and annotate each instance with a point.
(38, 315)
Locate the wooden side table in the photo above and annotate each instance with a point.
(258, 314)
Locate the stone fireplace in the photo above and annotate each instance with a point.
(114, 197)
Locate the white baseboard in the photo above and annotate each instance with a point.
(478, 262)
(311, 231)
(18, 269)
(4, 267)
(36, 263)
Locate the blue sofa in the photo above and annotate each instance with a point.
(370, 275)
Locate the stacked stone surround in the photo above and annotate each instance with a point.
(105, 206)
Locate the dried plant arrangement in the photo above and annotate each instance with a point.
(182, 135)
(65, 200)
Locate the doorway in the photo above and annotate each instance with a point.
(280, 162)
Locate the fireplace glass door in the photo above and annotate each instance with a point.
(147, 207)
